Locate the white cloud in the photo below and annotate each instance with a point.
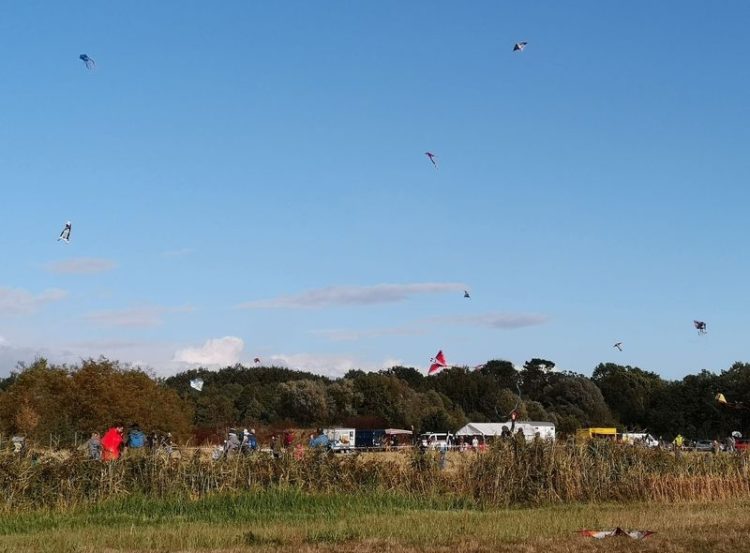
(495, 320)
(354, 295)
(505, 321)
(81, 266)
(16, 301)
(332, 365)
(223, 352)
(349, 335)
(150, 315)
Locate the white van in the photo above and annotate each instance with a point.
(340, 439)
(436, 440)
(640, 438)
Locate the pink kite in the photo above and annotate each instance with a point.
(437, 363)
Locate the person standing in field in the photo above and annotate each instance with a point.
(94, 446)
(112, 443)
(275, 447)
(136, 437)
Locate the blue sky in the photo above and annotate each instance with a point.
(223, 164)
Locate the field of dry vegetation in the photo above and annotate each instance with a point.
(519, 497)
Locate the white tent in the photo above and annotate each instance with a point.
(546, 430)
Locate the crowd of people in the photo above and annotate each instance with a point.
(115, 442)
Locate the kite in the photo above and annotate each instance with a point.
(466, 294)
(256, 360)
(87, 61)
(438, 362)
(601, 534)
(432, 157)
(731, 404)
(700, 326)
(618, 345)
(65, 234)
(519, 46)
(197, 384)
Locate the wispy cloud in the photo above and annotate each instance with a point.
(503, 321)
(332, 365)
(150, 315)
(81, 266)
(216, 352)
(16, 301)
(351, 335)
(354, 295)
(495, 320)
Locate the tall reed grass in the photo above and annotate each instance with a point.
(507, 474)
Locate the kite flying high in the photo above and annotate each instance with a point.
(65, 234)
(256, 360)
(438, 362)
(700, 326)
(519, 46)
(197, 384)
(432, 157)
(618, 345)
(466, 294)
(87, 61)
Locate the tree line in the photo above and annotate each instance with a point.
(43, 399)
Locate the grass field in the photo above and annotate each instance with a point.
(294, 522)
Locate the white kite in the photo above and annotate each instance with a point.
(65, 234)
(197, 384)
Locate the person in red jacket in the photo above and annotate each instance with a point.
(112, 443)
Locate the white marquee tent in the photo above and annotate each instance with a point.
(546, 430)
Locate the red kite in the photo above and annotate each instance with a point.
(437, 363)
(601, 534)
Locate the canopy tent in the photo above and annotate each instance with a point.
(482, 429)
(489, 429)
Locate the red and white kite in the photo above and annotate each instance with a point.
(438, 362)
(601, 534)
(432, 157)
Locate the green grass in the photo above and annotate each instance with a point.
(294, 522)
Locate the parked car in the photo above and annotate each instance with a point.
(703, 445)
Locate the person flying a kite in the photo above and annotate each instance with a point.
(65, 234)
(87, 61)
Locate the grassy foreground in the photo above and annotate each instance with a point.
(287, 521)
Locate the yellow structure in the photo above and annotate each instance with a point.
(599, 432)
